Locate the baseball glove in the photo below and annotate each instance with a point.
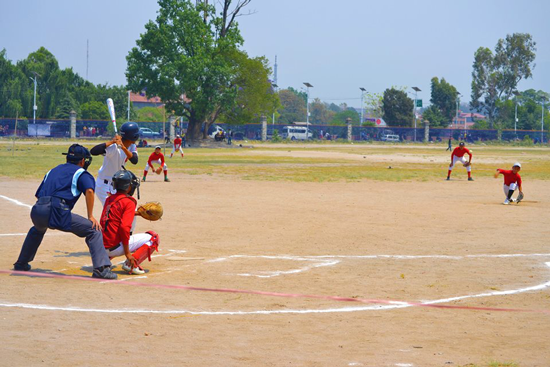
(151, 210)
(520, 197)
(158, 170)
(467, 164)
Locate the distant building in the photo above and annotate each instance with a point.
(139, 101)
(466, 118)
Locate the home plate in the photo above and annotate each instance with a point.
(181, 258)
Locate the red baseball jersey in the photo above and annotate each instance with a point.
(116, 219)
(510, 177)
(460, 152)
(177, 142)
(154, 157)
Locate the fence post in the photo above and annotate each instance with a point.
(171, 120)
(264, 127)
(348, 121)
(426, 131)
(73, 124)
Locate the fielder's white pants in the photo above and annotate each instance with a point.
(176, 148)
(461, 160)
(513, 186)
(164, 167)
(135, 242)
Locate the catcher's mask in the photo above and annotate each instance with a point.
(124, 179)
(76, 153)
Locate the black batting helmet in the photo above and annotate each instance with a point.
(129, 131)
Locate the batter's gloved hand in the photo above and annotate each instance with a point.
(151, 210)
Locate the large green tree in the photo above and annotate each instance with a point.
(293, 107)
(496, 75)
(341, 117)
(444, 96)
(397, 107)
(187, 57)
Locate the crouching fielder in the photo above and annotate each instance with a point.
(458, 156)
(116, 220)
(156, 158)
(177, 146)
(512, 181)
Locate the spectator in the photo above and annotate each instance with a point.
(229, 137)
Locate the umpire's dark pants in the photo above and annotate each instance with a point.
(80, 226)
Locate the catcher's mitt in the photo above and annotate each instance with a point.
(158, 170)
(151, 210)
(467, 164)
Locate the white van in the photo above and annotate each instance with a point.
(390, 137)
(296, 133)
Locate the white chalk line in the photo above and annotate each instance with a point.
(17, 202)
(270, 274)
(291, 311)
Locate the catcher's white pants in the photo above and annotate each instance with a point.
(175, 148)
(135, 242)
(513, 186)
(164, 167)
(461, 160)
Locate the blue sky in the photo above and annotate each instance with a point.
(338, 46)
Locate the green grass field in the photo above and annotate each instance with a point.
(275, 162)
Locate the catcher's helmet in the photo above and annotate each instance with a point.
(130, 131)
(76, 153)
(124, 179)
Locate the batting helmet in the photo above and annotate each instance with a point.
(129, 131)
(76, 153)
(124, 179)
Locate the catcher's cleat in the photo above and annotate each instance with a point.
(470, 179)
(104, 273)
(136, 270)
(21, 267)
(506, 202)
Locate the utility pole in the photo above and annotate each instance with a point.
(542, 122)
(307, 108)
(416, 90)
(363, 90)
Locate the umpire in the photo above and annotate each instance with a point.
(57, 194)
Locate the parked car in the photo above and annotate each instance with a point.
(296, 133)
(390, 137)
(213, 130)
(148, 133)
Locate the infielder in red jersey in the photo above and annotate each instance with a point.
(116, 219)
(512, 181)
(177, 146)
(458, 156)
(158, 158)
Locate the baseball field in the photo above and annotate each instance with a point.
(295, 255)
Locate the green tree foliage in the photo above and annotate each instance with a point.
(434, 115)
(334, 107)
(320, 113)
(150, 114)
(496, 75)
(444, 97)
(64, 108)
(94, 110)
(187, 57)
(373, 104)
(397, 107)
(255, 94)
(293, 107)
(341, 117)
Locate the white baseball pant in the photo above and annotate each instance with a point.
(135, 242)
(164, 167)
(461, 160)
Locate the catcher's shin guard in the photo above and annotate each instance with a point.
(145, 251)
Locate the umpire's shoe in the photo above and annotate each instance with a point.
(104, 273)
(21, 267)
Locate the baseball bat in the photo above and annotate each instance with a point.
(111, 107)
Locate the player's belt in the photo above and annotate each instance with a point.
(106, 182)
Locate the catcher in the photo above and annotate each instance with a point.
(458, 156)
(117, 217)
(156, 157)
(512, 181)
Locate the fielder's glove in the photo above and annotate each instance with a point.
(158, 170)
(151, 210)
(467, 164)
(520, 197)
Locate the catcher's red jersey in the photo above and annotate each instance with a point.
(116, 219)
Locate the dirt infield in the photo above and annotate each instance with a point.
(450, 243)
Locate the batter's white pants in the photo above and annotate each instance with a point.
(513, 186)
(164, 168)
(176, 148)
(103, 188)
(135, 242)
(461, 160)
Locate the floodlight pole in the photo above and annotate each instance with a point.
(416, 90)
(542, 122)
(128, 105)
(308, 85)
(363, 90)
(516, 93)
(275, 86)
